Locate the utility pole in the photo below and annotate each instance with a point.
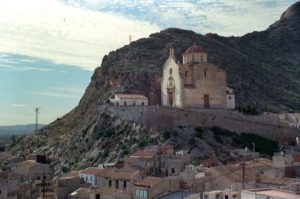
(129, 46)
(36, 117)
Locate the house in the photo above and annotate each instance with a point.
(145, 160)
(243, 154)
(171, 165)
(269, 194)
(114, 183)
(89, 175)
(195, 82)
(287, 165)
(30, 170)
(128, 100)
(68, 183)
(9, 186)
(118, 179)
(152, 187)
(222, 194)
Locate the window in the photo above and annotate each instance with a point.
(173, 170)
(137, 193)
(226, 196)
(186, 74)
(97, 196)
(193, 58)
(205, 72)
(229, 97)
(117, 184)
(38, 178)
(109, 183)
(124, 103)
(205, 196)
(218, 196)
(0, 192)
(144, 194)
(201, 58)
(142, 103)
(234, 196)
(133, 103)
(124, 184)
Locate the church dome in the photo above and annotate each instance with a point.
(194, 49)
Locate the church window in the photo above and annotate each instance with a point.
(205, 72)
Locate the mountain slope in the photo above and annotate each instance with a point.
(263, 68)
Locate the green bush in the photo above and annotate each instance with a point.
(143, 143)
(262, 145)
(192, 141)
(166, 135)
(195, 162)
(199, 132)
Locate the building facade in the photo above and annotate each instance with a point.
(195, 82)
(128, 100)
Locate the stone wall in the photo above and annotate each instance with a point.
(160, 118)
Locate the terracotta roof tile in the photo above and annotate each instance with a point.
(143, 154)
(149, 182)
(71, 174)
(194, 49)
(91, 171)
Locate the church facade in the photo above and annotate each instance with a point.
(194, 82)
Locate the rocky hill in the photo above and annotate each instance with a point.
(263, 68)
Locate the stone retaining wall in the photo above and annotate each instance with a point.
(160, 117)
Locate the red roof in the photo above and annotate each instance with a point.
(194, 49)
(131, 96)
(143, 153)
(148, 182)
(91, 171)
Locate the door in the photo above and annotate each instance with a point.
(170, 98)
(206, 101)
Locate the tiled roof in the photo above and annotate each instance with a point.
(143, 153)
(91, 171)
(124, 173)
(194, 49)
(131, 96)
(149, 182)
(71, 174)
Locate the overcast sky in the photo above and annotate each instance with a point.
(49, 48)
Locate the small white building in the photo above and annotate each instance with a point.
(230, 98)
(221, 194)
(89, 175)
(128, 100)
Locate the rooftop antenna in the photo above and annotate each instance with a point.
(36, 117)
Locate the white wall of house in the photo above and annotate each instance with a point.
(230, 98)
(120, 101)
(91, 179)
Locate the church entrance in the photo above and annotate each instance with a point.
(170, 98)
(206, 101)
